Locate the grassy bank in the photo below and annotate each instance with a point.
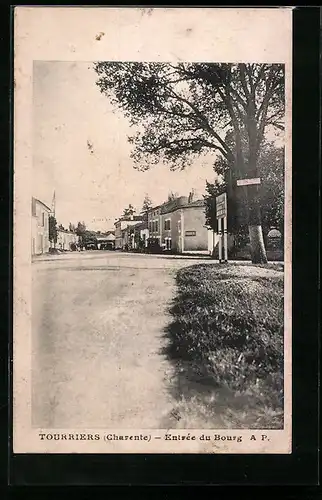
(227, 335)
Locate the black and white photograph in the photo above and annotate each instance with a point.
(158, 249)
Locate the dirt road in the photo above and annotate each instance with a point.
(98, 321)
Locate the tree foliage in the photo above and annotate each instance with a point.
(147, 204)
(183, 110)
(271, 171)
(80, 229)
(180, 109)
(129, 211)
(52, 229)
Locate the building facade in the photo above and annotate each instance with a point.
(178, 225)
(183, 226)
(39, 227)
(106, 241)
(66, 239)
(154, 226)
(121, 230)
(137, 236)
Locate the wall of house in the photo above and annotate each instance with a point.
(155, 224)
(144, 235)
(195, 232)
(34, 233)
(174, 233)
(65, 239)
(118, 235)
(121, 236)
(40, 229)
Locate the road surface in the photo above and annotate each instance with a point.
(98, 321)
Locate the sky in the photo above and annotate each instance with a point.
(69, 111)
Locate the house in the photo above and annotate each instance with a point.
(178, 225)
(137, 235)
(106, 241)
(39, 227)
(66, 240)
(121, 230)
(154, 227)
(144, 233)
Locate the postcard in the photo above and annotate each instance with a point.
(152, 230)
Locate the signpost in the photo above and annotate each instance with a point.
(248, 182)
(221, 213)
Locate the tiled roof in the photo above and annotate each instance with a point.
(197, 203)
(173, 208)
(128, 219)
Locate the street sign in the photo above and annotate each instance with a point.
(221, 206)
(248, 182)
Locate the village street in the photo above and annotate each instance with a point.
(98, 320)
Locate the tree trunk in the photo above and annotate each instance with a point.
(257, 246)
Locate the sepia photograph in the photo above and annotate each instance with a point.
(158, 248)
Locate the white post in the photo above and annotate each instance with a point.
(220, 240)
(225, 239)
(182, 230)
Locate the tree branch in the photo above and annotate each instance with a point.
(278, 114)
(198, 140)
(263, 109)
(243, 80)
(203, 120)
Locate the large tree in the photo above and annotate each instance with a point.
(184, 110)
(129, 211)
(146, 205)
(271, 193)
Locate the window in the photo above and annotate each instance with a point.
(167, 225)
(168, 243)
(156, 226)
(33, 208)
(43, 219)
(190, 233)
(150, 227)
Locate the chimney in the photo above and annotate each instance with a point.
(191, 196)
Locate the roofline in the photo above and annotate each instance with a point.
(41, 202)
(180, 207)
(154, 208)
(59, 229)
(128, 220)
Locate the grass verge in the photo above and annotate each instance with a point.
(227, 334)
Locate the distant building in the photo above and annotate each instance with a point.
(136, 236)
(179, 225)
(66, 239)
(154, 226)
(106, 241)
(39, 227)
(121, 231)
